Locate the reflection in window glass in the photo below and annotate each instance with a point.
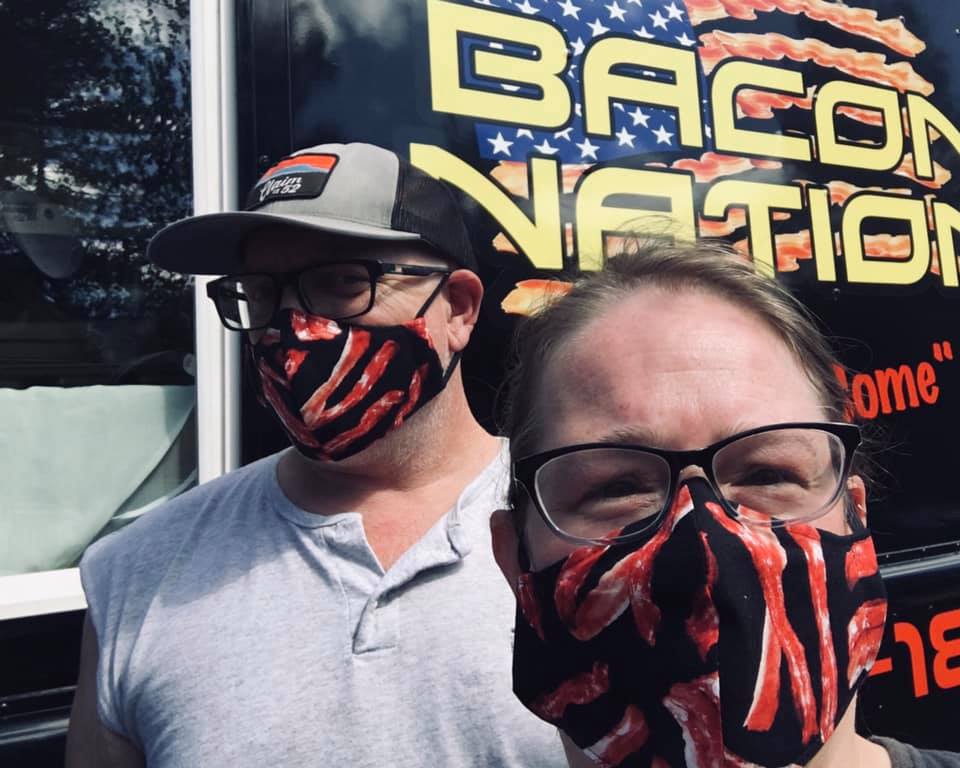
(96, 371)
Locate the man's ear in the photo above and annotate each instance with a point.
(503, 534)
(858, 496)
(464, 293)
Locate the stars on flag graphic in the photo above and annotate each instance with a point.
(636, 129)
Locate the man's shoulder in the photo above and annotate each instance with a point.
(905, 756)
(161, 531)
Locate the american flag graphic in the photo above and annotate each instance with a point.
(636, 128)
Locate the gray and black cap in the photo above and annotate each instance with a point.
(352, 190)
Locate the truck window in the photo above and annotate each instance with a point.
(96, 344)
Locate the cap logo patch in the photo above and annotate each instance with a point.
(297, 177)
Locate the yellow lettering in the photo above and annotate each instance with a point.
(539, 239)
(923, 115)
(947, 220)
(600, 85)
(861, 269)
(830, 149)
(759, 199)
(595, 220)
(447, 21)
(727, 80)
(821, 234)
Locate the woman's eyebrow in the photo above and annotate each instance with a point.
(631, 435)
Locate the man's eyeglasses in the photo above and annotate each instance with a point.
(337, 290)
(607, 492)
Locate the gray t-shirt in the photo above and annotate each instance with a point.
(904, 756)
(237, 629)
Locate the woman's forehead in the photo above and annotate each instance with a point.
(686, 367)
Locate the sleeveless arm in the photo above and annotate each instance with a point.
(90, 744)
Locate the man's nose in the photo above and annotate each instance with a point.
(289, 298)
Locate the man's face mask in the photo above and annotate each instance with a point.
(709, 642)
(338, 387)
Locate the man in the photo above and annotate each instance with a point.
(337, 604)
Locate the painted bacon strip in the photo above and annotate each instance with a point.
(857, 21)
(696, 708)
(736, 219)
(292, 424)
(760, 104)
(841, 191)
(627, 737)
(770, 559)
(808, 539)
(772, 46)
(581, 689)
(703, 624)
(766, 689)
(626, 584)
(571, 578)
(531, 296)
(419, 327)
(512, 176)
(313, 328)
(711, 166)
(866, 116)
(863, 636)
(413, 395)
(354, 348)
(368, 421)
(793, 247)
(267, 372)
(861, 562)
(314, 417)
(941, 176)
(293, 361)
(895, 247)
(790, 247)
(529, 606)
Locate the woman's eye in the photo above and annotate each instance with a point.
(617, 489)
(767, 476)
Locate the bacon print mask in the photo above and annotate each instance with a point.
(336, 388)
(711, 643)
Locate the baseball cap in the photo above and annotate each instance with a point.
(353, 190)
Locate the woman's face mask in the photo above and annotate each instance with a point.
(709, 642)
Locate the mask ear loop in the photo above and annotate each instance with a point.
(248, 367)
(455, 357)
(854, 519)
(523, 559)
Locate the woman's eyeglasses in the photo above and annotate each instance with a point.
(607, 492)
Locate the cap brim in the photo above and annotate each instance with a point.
(210, 244)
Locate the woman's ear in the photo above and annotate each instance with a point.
(503, 534)
(858, 496)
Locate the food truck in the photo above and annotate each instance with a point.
(820, 137)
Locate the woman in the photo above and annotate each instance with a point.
(687, 540)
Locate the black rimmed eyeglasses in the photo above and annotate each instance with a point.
(337, 290)
(601, 493)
